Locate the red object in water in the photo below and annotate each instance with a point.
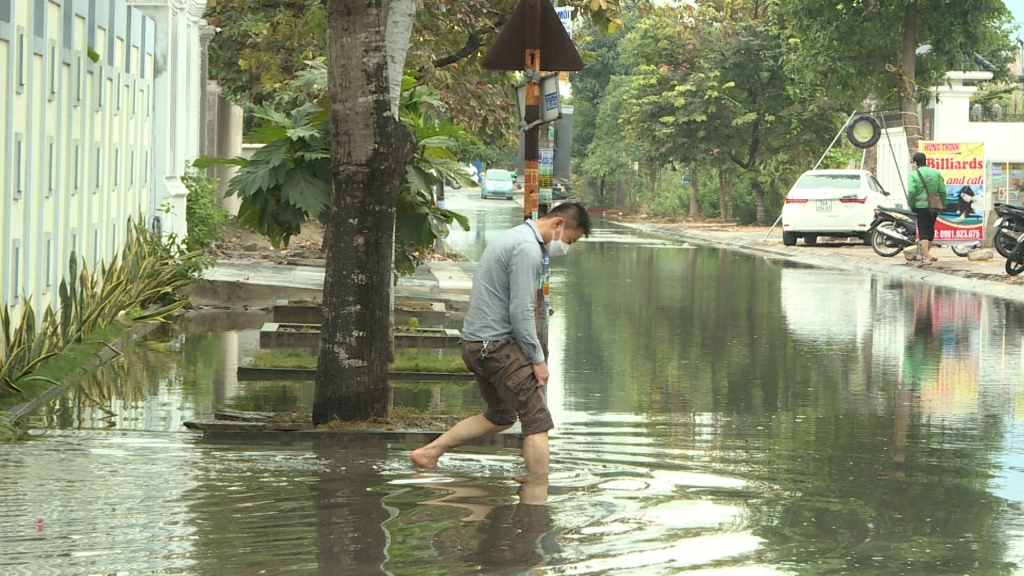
(39, 524)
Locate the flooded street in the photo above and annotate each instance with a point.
(715, 413)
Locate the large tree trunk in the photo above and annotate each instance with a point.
(908, 70)
(759, 200)
(694, 194)
(369, 151)
(725, 196)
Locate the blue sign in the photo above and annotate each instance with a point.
(551, 101)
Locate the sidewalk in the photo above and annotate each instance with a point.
(259, 282)
(985, 277)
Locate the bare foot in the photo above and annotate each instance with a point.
(422, 459)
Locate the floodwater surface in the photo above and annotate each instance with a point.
(716, 413)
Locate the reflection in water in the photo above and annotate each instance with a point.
(714, 412)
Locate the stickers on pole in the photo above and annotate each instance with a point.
(546, 172)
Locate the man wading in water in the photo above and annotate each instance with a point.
(499, 338)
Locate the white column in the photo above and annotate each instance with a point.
(953, 106)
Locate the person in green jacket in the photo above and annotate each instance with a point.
(920, 181)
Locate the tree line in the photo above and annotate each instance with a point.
(712, 110)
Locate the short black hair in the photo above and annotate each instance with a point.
(920, 159)
(575, 214)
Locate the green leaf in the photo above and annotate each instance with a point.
(204, 162)
(302, 132)
(305, 191)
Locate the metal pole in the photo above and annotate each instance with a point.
(777, 220)
(531, 152)
(838, 134)
(531, 159)
(896, 162)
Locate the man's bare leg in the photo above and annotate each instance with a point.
(926, 250)
(533, 489)
(468, 430)
(535, 452)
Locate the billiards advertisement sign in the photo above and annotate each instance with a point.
(962, 165)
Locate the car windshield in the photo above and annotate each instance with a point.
(834, 181)
(499, 175)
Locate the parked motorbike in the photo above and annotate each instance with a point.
(893, 229)
(1008, 228)
(1015, 261)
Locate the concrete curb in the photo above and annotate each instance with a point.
(980, 285)
(347, 438)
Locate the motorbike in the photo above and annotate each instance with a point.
(893, 229)
(1015, 261)
(1008, 228)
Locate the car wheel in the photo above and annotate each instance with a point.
(789, 238)
(810, 240)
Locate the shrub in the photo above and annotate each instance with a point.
(206, 219)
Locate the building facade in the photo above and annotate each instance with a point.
(87, 139)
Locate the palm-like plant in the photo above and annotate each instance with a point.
(288, 180)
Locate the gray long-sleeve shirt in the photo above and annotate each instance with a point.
(505, 290)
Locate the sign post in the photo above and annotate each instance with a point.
(534, 29)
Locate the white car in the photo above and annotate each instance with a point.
(833, 203)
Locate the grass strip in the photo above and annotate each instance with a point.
(64, 365)
(403, 362)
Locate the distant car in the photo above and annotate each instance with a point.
(559, 191)
(496, 183)
(834, 203)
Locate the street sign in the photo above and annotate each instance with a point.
(565, 15)
(550, 100)
(507, 52)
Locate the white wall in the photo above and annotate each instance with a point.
(76, 133)
(893, 164)
(176, 104)
(89, 145)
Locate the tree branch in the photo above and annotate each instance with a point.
(473, 43)
(755, 143)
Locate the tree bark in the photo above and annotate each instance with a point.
(908, 72)
(758, 200)
(724, 196)
(401, 14)
(694, 194)
(369, 151)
